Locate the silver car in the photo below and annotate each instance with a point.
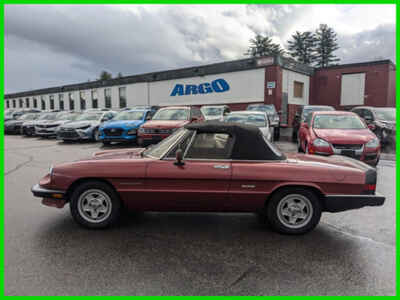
(215, 112)
(256, 118)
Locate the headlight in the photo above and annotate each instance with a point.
(141, 130)
(320, 143)
(132, 131)
(374, 143)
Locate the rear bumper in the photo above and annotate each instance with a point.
(336, 203)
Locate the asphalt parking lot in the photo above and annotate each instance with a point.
(46, 253)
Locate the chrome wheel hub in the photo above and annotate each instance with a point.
(94, 205)
(294, 211)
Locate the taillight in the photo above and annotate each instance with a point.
(370, 188)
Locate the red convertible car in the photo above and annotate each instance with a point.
(213, 167)
(339, 132)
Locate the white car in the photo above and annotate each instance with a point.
(256, 118)
(215, 112)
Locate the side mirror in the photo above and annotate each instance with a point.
(148, 117)
(194, 119)
(179, 158)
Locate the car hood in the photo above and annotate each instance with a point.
(79, 124)
(345, 136)
(49, 122)
(333, 161)
(118, 154)
(165, 124)
(29, 123)
(123, 123)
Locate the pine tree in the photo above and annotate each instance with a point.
(326, 44)
(104, 75)
(302, 47)
(263, 46)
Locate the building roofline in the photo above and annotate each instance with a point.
(360, 64)
(195, 71)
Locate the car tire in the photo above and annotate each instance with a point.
(277, 133)
(95, 204)
(299, 148)
(294, 136)
(96, 135)
(294, 211)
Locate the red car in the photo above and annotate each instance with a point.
(166, 121)
(213, 166)
(339, 132)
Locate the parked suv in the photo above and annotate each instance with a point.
(301, 117)
(166, 121)
(124, 126)
(273, 116)
(381, 120)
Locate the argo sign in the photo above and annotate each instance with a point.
(216, 86)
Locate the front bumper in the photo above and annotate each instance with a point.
(53, 198)
(41, 192)
(74, 134)
(46, 131)
(152, 138)
(337, 203)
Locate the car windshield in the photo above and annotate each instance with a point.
(269, 109)
(386, 114)
(89, 117)
(172, 114)
(252, 119)
(129, 115)
(48, 116)
(212, 111)
(68, 116)
(28, 117)
(159, 149)
(338, 122)
(308, 110)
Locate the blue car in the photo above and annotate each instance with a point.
(124, 126)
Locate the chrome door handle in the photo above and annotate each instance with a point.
(221, 166)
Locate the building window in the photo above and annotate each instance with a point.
(43, 102)
(14, 103)
(27, 102)
(34, 103)
(82, 98)
(61, 101)
(71, 101)
(107, 97)
(51, 101)
(122, 97)
(298, 88)
(21, 102)
(8, 103)
(95, 102)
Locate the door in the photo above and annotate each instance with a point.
(201, 184)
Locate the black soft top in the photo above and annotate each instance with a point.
(249, 143)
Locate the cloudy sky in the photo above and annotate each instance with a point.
(50, 45)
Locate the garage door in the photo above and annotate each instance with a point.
(352, 92)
